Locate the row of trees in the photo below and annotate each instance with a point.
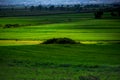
(76, 7)
(99, 14)
(98, 9)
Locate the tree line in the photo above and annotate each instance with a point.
(97, 9)
(76, 7)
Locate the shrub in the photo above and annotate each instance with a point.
(7, 26)
(59, 41)
(16, 25)
(113, 14)
(65, 65)
(11, 25)
(90, 77)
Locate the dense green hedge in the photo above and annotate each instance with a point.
(59, 41)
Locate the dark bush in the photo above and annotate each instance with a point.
(98, 14)
(11, 25)
(90, 77)
(16, 25)
(7, 26)
(65, 65)
(113, 14)
(59, 41)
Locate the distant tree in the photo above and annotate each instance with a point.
(32, 8)
(12, 9)
(113, 14)
(45, 8)
(98, 14)
(51, 7)
(40, 7)
(118, 11)
(77, 7)
(68, 7)
(25, 8)
(62, 8)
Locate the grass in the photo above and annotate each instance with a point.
(58, 62)
(23, 58)
(49, 19)
(15, 42)
(78, 29)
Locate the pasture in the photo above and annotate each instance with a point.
(22, 57)
(59, 62)
(75, 26)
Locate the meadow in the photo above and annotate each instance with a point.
(22, 57)
(60, 62)
(75, 26)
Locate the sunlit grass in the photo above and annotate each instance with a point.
(15, 42)
(82, 30)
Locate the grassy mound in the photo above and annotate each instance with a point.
(59, 41)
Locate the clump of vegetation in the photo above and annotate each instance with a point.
(59, 41)
(98, 14)
(11, 25)
(90, 77)
(113, 14)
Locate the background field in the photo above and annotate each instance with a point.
(75, 26)
(22, 57)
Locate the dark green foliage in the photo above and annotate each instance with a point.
(40, 7)
(98, 14)
(51, 7)
(90, 77)
(65, 65)
(59, 41)
(32, 8)
(11, 25)
(113, 14)
(25, 7)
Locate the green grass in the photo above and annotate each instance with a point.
(21, 60)
(59, 61)
(81, 27)
(48, 19)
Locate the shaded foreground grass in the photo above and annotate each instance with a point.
(59, 62)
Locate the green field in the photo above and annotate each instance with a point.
(59, 62)
(77, 26)
(22, 57)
